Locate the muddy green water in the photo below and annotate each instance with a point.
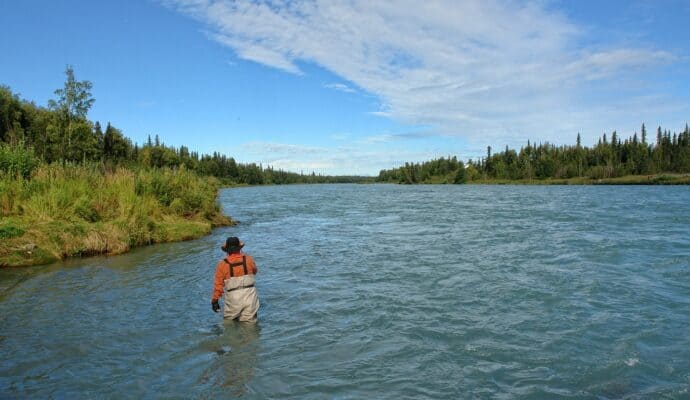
(377, 291)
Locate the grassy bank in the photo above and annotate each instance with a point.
(67, 211)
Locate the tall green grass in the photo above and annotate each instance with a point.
(58, 211)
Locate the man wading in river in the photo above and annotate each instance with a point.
(235, 280)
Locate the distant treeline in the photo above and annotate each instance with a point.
(610, 158)
(61, 133)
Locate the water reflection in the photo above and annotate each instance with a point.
(232, 367)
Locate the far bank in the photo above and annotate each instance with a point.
(655, 179)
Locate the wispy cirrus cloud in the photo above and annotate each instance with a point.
(282, 148)
(339, 160)
(340, 87)
(391, 137)
(498, 71)
(290, 157)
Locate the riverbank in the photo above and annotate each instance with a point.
(73, 211)
(656, 179)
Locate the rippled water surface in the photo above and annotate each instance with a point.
(377, 291)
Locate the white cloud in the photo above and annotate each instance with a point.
(340, 86)
(378, 139)
(282, 148)
(340, 160)
(258, 53)
(491, 71)
(388, 137)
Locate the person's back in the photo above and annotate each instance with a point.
(235, 280)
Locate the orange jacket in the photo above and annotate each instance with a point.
(223, 272)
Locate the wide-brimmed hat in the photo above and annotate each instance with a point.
(232, 244)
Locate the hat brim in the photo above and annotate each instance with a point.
(232, 248)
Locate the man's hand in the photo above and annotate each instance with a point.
(215, 306)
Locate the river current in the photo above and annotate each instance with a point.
(377, 291)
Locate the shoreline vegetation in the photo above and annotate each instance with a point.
(655, 179)
(68, 188)
(612, 161)
(82, 210)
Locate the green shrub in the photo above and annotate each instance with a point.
(8, 232)
(17, 160)
(140, 226)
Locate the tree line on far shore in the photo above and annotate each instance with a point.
(610, 158)
(62, 133)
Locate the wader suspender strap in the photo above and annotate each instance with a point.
(231, 266)
(244, 266)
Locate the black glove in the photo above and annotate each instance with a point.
(215, 305)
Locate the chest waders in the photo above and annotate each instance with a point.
(241, 299)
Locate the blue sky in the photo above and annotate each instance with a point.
(353, 87)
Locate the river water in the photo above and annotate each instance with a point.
(377, 291)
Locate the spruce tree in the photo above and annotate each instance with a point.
(98, 134)
(460, 175)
